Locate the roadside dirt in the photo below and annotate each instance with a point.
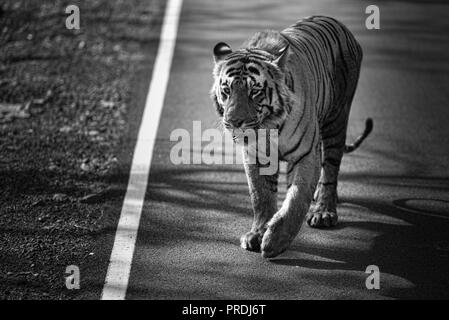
(65, 100)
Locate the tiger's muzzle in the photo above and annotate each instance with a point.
(239, 113)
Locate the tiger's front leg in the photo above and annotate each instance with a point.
(263, 194)
(302, 178)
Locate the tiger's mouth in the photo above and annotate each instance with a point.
(253, 124)
(238, 133)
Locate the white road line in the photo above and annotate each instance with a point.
(119, 268)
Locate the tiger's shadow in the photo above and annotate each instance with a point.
(399, 250)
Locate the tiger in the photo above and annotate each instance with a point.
(300, 81)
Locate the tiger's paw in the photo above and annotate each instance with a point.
(322, 219)
(251, 241)
(276, 239)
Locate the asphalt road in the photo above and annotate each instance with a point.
(394, 210)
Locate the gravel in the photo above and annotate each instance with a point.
(64, 100)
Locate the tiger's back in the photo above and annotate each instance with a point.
(334, 57)
(323, 68)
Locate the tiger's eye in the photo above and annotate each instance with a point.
(226, 90)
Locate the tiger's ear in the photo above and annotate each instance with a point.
(281, 60)
(221, 50)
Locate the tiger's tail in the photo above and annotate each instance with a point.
(359, 140)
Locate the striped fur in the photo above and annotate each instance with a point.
(301, 81)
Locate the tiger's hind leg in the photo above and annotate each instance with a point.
(323, 211)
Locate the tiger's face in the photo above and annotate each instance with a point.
(249, 88)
